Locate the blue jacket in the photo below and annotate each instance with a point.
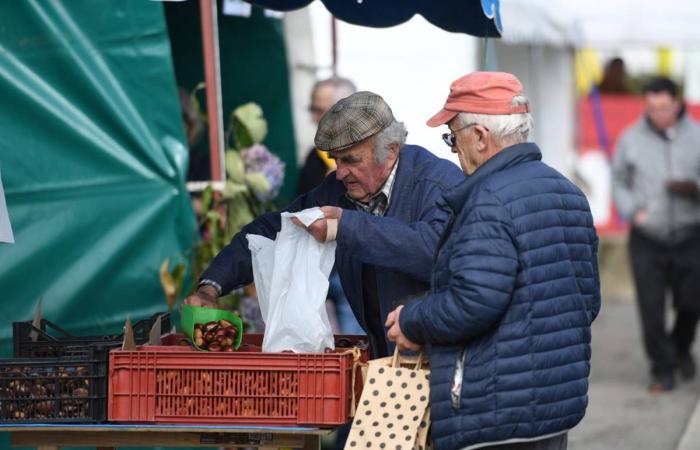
(515, 288)
(401, 245)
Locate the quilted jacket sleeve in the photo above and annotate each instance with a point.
(482, 267)
(392, 243)
(232, 267)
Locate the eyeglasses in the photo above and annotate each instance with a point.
(449, 138)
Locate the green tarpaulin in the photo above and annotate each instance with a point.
(93, 160)
(92, 149)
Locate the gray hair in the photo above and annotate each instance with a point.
(342, 86)
(507, 129)
(395, 133)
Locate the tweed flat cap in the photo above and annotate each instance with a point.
(351, 120)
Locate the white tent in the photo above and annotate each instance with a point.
(539, 39)
(602, 23)
(649, 23)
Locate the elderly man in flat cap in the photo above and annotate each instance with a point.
(383, 197)
(515, 287)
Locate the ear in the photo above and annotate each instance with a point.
(483, 138)
(395, 148)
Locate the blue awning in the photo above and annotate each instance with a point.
(474, 17)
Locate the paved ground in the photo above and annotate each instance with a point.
(622, 414)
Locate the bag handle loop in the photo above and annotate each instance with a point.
(395, 360)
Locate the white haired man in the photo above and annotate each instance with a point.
(515, 287)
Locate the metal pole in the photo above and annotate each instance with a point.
(334, 48)
(210, 45)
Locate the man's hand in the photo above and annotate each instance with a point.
(332, 212)
(396, 335)
(319, 229)
(205, 296)
(687, 188)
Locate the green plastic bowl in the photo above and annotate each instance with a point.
(198, 314)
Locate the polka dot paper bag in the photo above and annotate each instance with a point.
(393, 413)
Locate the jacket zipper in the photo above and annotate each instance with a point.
(456, 387)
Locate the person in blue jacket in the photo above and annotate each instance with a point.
(383, 197)
(515, 286)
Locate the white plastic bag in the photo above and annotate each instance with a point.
(291, 279)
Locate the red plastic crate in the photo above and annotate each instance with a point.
(167, 384)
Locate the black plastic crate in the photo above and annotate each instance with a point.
(55, 390)
(53, 341)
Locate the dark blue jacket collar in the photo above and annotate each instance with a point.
(506, 158)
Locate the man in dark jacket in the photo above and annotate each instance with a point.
(383, 199)
(515, 285)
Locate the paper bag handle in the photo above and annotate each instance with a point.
(395, 359)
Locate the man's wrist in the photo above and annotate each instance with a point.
(209, 289)
(212, 283)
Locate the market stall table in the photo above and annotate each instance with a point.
(108, 436)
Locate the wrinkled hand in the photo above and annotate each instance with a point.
(686, 188)
(319, 228)
(332, 212)
(396, 335)
(205, 296)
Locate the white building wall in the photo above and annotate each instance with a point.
(548, 78)
(410, 65)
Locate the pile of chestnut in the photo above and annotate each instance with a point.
(215, 336)
(43, 393)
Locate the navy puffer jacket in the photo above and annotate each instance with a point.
(514, 290)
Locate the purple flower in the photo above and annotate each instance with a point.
(259, 159)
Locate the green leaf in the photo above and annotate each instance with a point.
(213, 216)
(258, 183)
(178, 275)
(235, 168)
(232, 190)
(214, 225)
(168, 284)
(249, 125)
(239, 215)
(207, 196)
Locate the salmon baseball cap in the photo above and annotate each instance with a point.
(481, 93)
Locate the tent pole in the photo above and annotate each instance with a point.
(210, 45)
(334, 45)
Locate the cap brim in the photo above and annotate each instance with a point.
(442, 117)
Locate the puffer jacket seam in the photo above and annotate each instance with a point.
(566, 277)
(563, 192)
(513, 441)
(540, 230)
(564, 417)
(552, 245)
